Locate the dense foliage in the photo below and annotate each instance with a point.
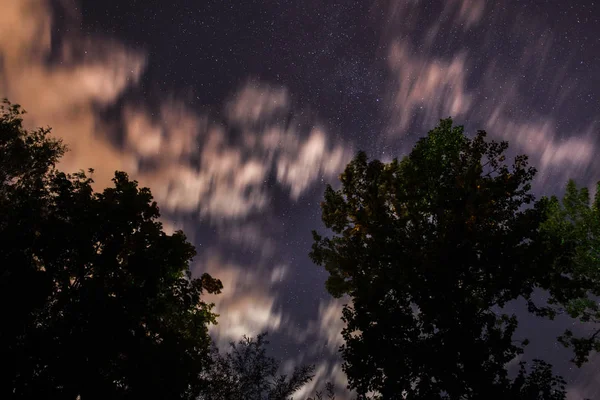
(572, 232)
(98, 301)
(429, 249)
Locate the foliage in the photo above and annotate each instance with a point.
(329, 393)
(428, 249)
(97, 301)
(247, 373)
(572, 231)
(25, 156)
(540, 384)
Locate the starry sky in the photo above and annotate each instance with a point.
(236, 114)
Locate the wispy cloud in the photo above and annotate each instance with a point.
(64, 95)
(434, 75)
(426, 89)
(227, 181)
(246, 305)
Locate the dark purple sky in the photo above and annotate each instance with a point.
(236, 114)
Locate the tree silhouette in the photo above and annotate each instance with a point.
(246, 372)
(429, 249)
(540, 384)
(329, 393)
(97, 301)
(572, 232)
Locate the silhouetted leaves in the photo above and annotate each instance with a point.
(540, 384)
(572, 233)
(97, 300)
(329, 393)
(428, 249)
(246, 372)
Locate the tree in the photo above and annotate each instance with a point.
(329, 392)
(247, 373)
(572, 230)
(540, 384)
(429, 250)
(98, 302)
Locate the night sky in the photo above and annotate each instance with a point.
(236, 115)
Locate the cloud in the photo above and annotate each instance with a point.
(301, 163)
(225, 182)
(323, 337)
(191, 165)
(325, 331)
(569, 156)
(229, 180)
(279, 273)
(481, 89)
(254, 103)
(326, 371)
(412, 14)
(172, 134)
(24, 30)
(64, 96)
(247, 306)
(468, 12)
(248, 236)
(426, 89)
(330, 323)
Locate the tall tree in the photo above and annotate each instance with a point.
(429, 249)
(246, 372)
(572, 232)
(97, 301)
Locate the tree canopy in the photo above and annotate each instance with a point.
(98, 301)
(429, 249)
(572, 232)
(246, 372)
